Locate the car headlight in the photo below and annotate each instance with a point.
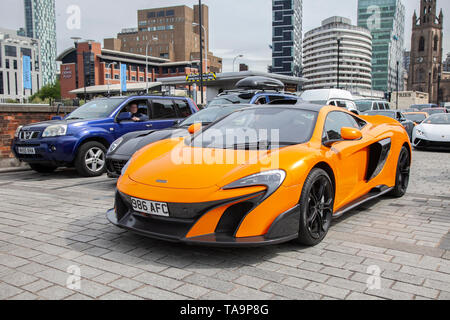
(125, 168)
(115, 144)
(16, 135)
(420, 132)
(270, 179)
(55, 131)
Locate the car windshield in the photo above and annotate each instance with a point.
(381, 113)
(232, 99)
(209, 115)
(364, 105)
(422, 106)
(96, 109)
(415, 117)
(434, 111)
(443, 118)
(264, 128)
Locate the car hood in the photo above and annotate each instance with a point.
(39, 126)
(436, 131)
(135, 142)
(161, 164)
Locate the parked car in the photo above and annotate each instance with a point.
(82, 138)
(420, 107)
(123, 149)
(332, 97)
(432, 111)
(433, 132)
(254, 90)
(372, 105)
(218, 202)
(416, 117)
(397, 115)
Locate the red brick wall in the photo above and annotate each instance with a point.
(11, 117)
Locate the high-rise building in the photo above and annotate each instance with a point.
(337, 54)
(169, 33)
(287, 37)
(446, 64)
(426, 50)
(40, 23)
(12, 49)
(386, 21)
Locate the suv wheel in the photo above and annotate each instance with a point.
(91, 159)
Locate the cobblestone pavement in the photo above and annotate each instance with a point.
(52, 224)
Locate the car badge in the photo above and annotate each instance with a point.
(162, 181)
(28, 135)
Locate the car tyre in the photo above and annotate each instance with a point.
(402, 175)
(316, 208)
(91, 159)
(42, 168)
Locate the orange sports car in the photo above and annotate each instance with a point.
(262, 176)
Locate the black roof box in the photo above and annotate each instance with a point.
(260, 83)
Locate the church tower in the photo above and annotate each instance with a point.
(426, 50)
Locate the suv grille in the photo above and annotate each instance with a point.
(28, 135)
(117, 165)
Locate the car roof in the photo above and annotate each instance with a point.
(299, 106)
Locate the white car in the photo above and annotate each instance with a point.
(333, 97)
(433, 132)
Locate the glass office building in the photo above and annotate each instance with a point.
(386, 21)
(40, 23)
(287, 37)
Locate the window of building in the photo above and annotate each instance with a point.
(25, 51)
(151, 14)
(421, 44)
(161, 14)
(1, 83)
(7, 63)
(10, 51)
(116, 76)
(15, 64)
(436, 43)
(170, 13)
(133, 78)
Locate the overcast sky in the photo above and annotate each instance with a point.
(236, 26)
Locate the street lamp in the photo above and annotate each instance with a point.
(146, 61)
(339, 40)
(206, 43)
(235, 58)
(108, 66)
(439, 87)
(200, 23)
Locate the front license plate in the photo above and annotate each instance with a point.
(150, 207)
(22, 150)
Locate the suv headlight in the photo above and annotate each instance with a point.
(16, 135)
(115, 144)
(55, 131)
(270, 179)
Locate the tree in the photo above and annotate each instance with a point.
(50, 92)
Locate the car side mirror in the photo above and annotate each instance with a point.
(196, 127)
(124, 116)
(351, 134)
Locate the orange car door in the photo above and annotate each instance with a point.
(348, 157)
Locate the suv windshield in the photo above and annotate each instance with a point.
(96, 109)
(209, 115)
(442, 118)
(241, 98)
(264, 128)
(364, 105)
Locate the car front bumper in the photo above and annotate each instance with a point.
(55, 151)
(177, 228)
(424, 143)
(115, 164)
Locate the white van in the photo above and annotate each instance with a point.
(334, 97)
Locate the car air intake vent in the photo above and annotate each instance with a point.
(232, 217)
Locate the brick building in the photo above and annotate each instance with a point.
(88, 64)
(168, 33)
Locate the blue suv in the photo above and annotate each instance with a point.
(82, 138)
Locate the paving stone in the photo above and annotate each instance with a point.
(151, 293)
(7, 291)
(55, 293)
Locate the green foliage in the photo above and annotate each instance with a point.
(47, 93)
